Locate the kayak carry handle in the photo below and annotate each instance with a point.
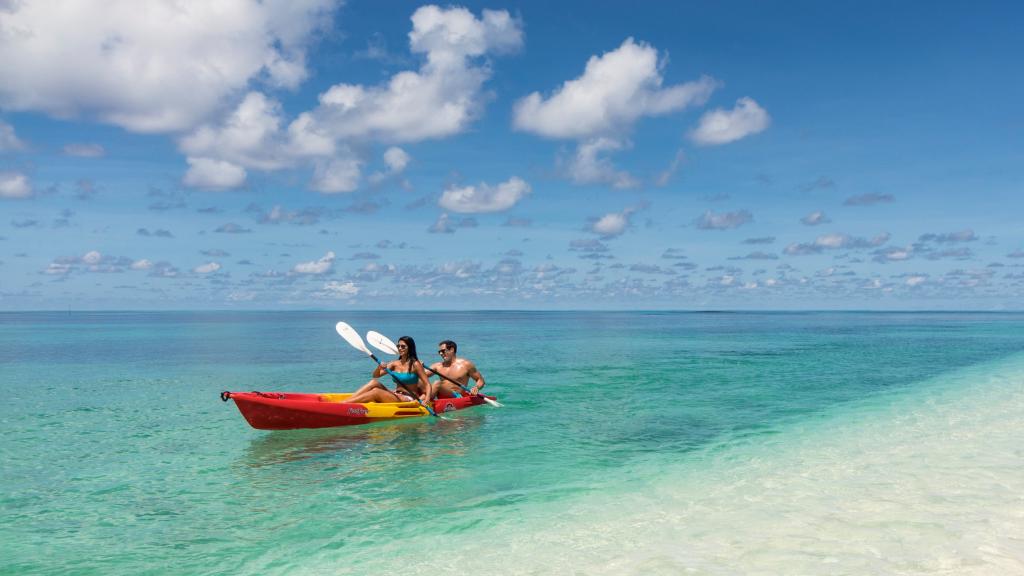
(225, 395)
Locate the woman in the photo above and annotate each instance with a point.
(408, 372)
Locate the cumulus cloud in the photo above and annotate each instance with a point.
(835, 242)
(723, 126)
(868, 199)
(967, 235)
(484, 197)
(761, 240)
(337, 176)
(396, 161)
(822, 183)
(440, 99)
(340, 290)
(161, 67)
(213, 174)
(159, 233)
(249, 136)
(14, 185)
(448, 225)
(85, 150)
(231, 228)
(615, 90)
(590, 165)
(612, 224)
(92, 261)
(208, 268)
(757, 255)
(317, 267)
(599, 109)
(892, 254)
(723, 221)
(9, 142)
(815, 218)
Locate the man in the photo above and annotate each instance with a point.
(458, 369)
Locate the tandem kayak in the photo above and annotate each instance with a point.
(290, 411)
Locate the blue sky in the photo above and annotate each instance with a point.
(319, 154)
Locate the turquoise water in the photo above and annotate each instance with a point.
(629, 443)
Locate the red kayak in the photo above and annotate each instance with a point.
(290, 411)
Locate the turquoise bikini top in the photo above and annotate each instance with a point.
(407, 378)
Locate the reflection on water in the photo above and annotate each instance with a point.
(411, 466)
(452, 436)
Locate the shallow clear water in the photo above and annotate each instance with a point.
(630, 443)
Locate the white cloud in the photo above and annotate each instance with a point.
(815, 218)
(336, 176)
(8, 140)
(321, 266)
(723, 221)
(213, 174)
(142, 264)
(664, 177)
(57, 269)
(85, 150)
(14, 185)
(723, 126)
(396, 159)
(485, 198)
(152, 67)
(442, 225)
(250, 136)
(612, 224)
(207, 268)
(439, 100)
(916, 280)
(966, 235)
(588, 166)
(832, 240)
(615, 90)
(835, 241)
(335, 289)
(92, 257)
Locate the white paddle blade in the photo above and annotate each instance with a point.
(352, 337)
(494, 403)
(381, 342)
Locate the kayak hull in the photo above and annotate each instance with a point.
(292, 411)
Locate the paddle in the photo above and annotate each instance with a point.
(384, 344)
(356, 341)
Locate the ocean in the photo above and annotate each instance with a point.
(629, 443)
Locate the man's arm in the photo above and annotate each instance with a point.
(478, 377)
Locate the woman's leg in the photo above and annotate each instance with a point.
(373, 395)
(373, 383)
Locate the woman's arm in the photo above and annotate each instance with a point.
(425, 385)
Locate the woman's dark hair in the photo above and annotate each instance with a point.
(412, 349)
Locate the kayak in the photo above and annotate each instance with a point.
(290, 411)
